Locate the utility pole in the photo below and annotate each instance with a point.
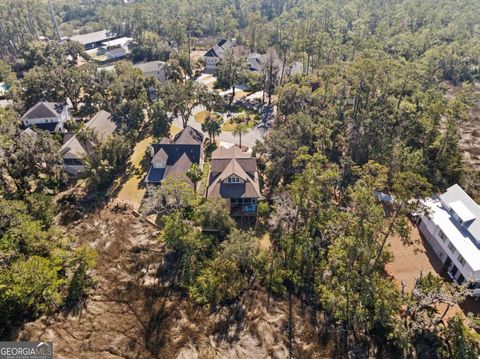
(54, 20)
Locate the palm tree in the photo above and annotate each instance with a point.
(239, 130)
(195, 174)
(212, 127)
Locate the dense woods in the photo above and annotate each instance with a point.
(367, 114)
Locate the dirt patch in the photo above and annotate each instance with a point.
(411, 261)
(136, 311)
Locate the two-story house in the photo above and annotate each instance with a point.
(234, 177)
(75, 149)
(213, 56)
(451, 225)
(47, 116)
(175, 158)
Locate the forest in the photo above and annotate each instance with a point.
(369, 113)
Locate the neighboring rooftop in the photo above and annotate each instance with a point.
(150, 66)
(177, 156)
(121, 41)
(219, 49)
(44, 110)
(254, 61)
(75, 148)
(94, 37)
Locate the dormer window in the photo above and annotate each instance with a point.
(233, 179)
(158, 164)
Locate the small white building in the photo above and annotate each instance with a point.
(452, 227)
(153, 68)
(47, 116)
(118, 48)
(213, 56)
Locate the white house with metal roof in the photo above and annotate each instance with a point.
(451, 225)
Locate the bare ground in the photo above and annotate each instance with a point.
(412, 261)
(136, 312)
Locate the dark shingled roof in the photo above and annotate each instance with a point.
(179, 156)
(43, 110)
(189, 136)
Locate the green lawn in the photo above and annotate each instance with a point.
(203, 115)
(202, 186)
(230, 125)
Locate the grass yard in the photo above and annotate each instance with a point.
(133, 191)
(230, 125)
(174, 130)
(201, 116)
(202, 186)
(240, 94)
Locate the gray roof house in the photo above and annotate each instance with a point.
(255, 61)
(74, 149)
(234, 177)
(174, 158)
(213, 56)
(451, 225)
(153, 68)
(94, 39)
(47, 116)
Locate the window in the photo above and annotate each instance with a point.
(233, 180)
(442, 235)
(461, 259)
(451, 247)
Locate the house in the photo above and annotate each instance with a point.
(174, 158)
(75, 149)
(118, 48)
(234, 177)
(451, 225)
(153, 68)
(213, 56)
(255, 61)
(95, 39)
(47, 116)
